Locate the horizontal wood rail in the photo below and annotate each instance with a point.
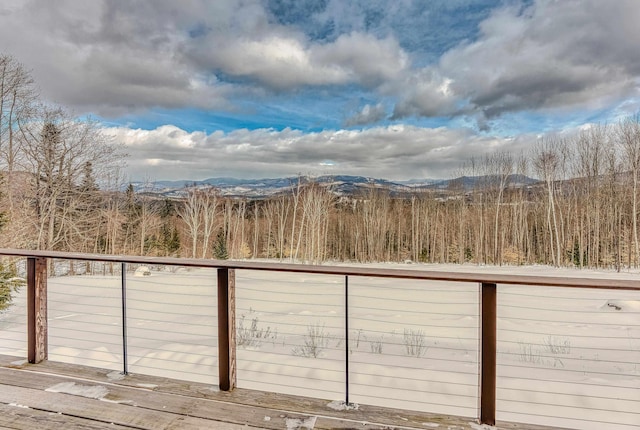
(487, 282)
(480, 278)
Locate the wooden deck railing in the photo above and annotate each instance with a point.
(37, 263)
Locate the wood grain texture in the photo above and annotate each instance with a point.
(226, 329)
(37, 328)
(488, 352)
(173, 404)
(232, 331)
(20, 418)
(489, 278)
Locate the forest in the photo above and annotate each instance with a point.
(63, 189)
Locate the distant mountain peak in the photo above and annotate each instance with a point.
(340, 184)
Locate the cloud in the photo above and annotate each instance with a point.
(549, 55)
(393, 152)
(424, 93)
(284, 60)
(370, 61)
(431, 59)
(111, 57)
(368, 115)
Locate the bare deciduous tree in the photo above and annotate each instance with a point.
(547, 162)
(628, 136)
(63, 156)
(199, 214)
(17, 99)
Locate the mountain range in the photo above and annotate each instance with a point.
(341, 185)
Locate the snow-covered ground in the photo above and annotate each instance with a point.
(566, 357)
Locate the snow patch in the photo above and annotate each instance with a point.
(300, 423)
(339, 405)
(19, 362)
(142, 271)
(150, 386)
(475, 426)
(213, 388)
(431, 425)
(18, 405)
(115, 376)
(119, 402)
(267, 418)
(89, 391)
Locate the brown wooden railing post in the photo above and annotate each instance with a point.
(488, 349)
(227, 328)
(37, 339)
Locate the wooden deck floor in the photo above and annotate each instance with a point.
(61, 396)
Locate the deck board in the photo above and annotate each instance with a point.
(16, 417)
(95, 398)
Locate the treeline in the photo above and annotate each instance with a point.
(62, 190)
(53, 167)
(583, 212)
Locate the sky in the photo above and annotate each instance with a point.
(395, 89)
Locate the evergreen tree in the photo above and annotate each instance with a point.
(220, 246)
(3, 214)
(169, 240)
(131, 224)
(88, 183)
(9, 284)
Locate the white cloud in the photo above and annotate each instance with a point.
(393, 152)
(424, 93)
(108, 57)
(553, 54)
(368, 115)
(368, 60)
(285, 60)
(112, 58)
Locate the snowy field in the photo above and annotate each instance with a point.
(566, 357)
